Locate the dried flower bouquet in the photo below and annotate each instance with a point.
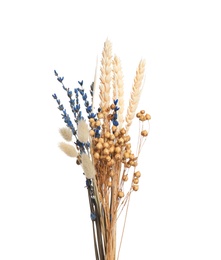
(102, 147)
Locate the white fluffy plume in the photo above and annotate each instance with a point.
(83, 131)
(66, 133)
(87, 166)
(68, 149)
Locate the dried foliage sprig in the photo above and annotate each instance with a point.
(102, 147)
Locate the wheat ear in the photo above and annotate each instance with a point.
(118, 88)
(135, 94)
(105, 78)
(115, 96)
(95, 84)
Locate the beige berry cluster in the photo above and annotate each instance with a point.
(136, 177)
(113, 149)
(143, 117)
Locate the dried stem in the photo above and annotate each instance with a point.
(103, 148)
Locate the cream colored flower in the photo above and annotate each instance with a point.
(66, 133)
(83, 131)
(68, 149)
(87, 166)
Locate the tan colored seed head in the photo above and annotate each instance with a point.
(106, 151)
(144, 133)
(142, 118)
(117, 149)
(108, 158)
(116, 134)
(111, 149)
(126, 155)
(99, 146)
(117, 156)
(92, 133)
(111, 173)
(114, 128)
(131, 163)
(135, 163)
(127, 165)
(126, 138)
(93, 124)
(132, 156)
(112, 137)
(121, 141)
(148, 117)
(96, 155)
(100, 115)
(107, 134)
(138, 115)
(123, 131)
(101, 140)
(95, 140)
(135, 187)
(112, 106)
(98, 123)
(120, 194)
(111, 162)
(137, 174)
(106, 145)
(135, 181)
(125, 177)
(128, 151)
(128, 146)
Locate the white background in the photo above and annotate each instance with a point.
(44, 211)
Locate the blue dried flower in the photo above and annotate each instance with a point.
(61, 107)
(92, 115)
(69, 93)
(60, 79)
(54, 96)
(93, 216)
(115, 123)
(89, 109)
(80, 82)
(115, 102)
